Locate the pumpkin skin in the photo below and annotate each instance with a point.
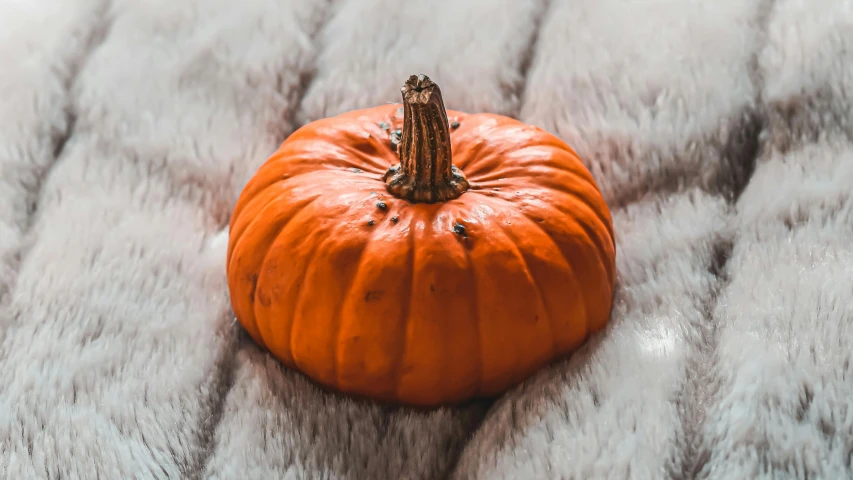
(420, 303)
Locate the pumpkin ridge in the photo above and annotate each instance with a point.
(478, 324)
(244, 201)
(602, 250)
(252, 191)
(235, 235)
(516, 170)
(297, 298)
(533, 184)
(508, 173)
(276, 238)
(338, 318)
(336, 158)
(473, 143)
(261, 199)
(406, 317)
(308, 257)
(299, 295)
(526, 264)
(605, 220)
(365, 159)
(297, 159)
(265, 176)
(563, 257)
(582, 203)
(238, 241)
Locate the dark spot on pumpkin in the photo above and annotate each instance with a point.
(454, 125)
(432, 287)
(394, 219)
(370, 223)
(356, 170)
(496, 188)
(373, 295)
(381, 206)
(263, 299)
(398, 132)
(384, 126)
(253, 281)
(459, 229)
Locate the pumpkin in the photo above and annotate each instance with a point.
(419, 256)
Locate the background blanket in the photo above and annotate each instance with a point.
(721, 133)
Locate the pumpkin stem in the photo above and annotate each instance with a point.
(425, 173)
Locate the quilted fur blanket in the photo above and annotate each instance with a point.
(720, 132)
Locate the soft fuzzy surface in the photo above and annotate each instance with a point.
(721, 133)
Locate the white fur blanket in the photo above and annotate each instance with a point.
(721, 133)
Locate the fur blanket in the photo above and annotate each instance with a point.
(721, 133)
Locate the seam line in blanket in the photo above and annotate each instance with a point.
(221, 383)
(223, 380)
(528, 55)
(692, 401)
(94, 37)
(297, 117)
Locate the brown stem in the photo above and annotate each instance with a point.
(425, 173)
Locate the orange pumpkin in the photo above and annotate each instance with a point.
(394, 254)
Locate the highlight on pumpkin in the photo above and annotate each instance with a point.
(421, 256)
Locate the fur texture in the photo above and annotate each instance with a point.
(720, 133)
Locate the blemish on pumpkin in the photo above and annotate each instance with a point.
(356, 170)
(253, 280)
(370, 223)
(263, 299)
(374, 295)
(394, 219)
(384, 126)
(432, 288)
(459, 229)
(400, 111)
(454, 125)
(381, 206)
